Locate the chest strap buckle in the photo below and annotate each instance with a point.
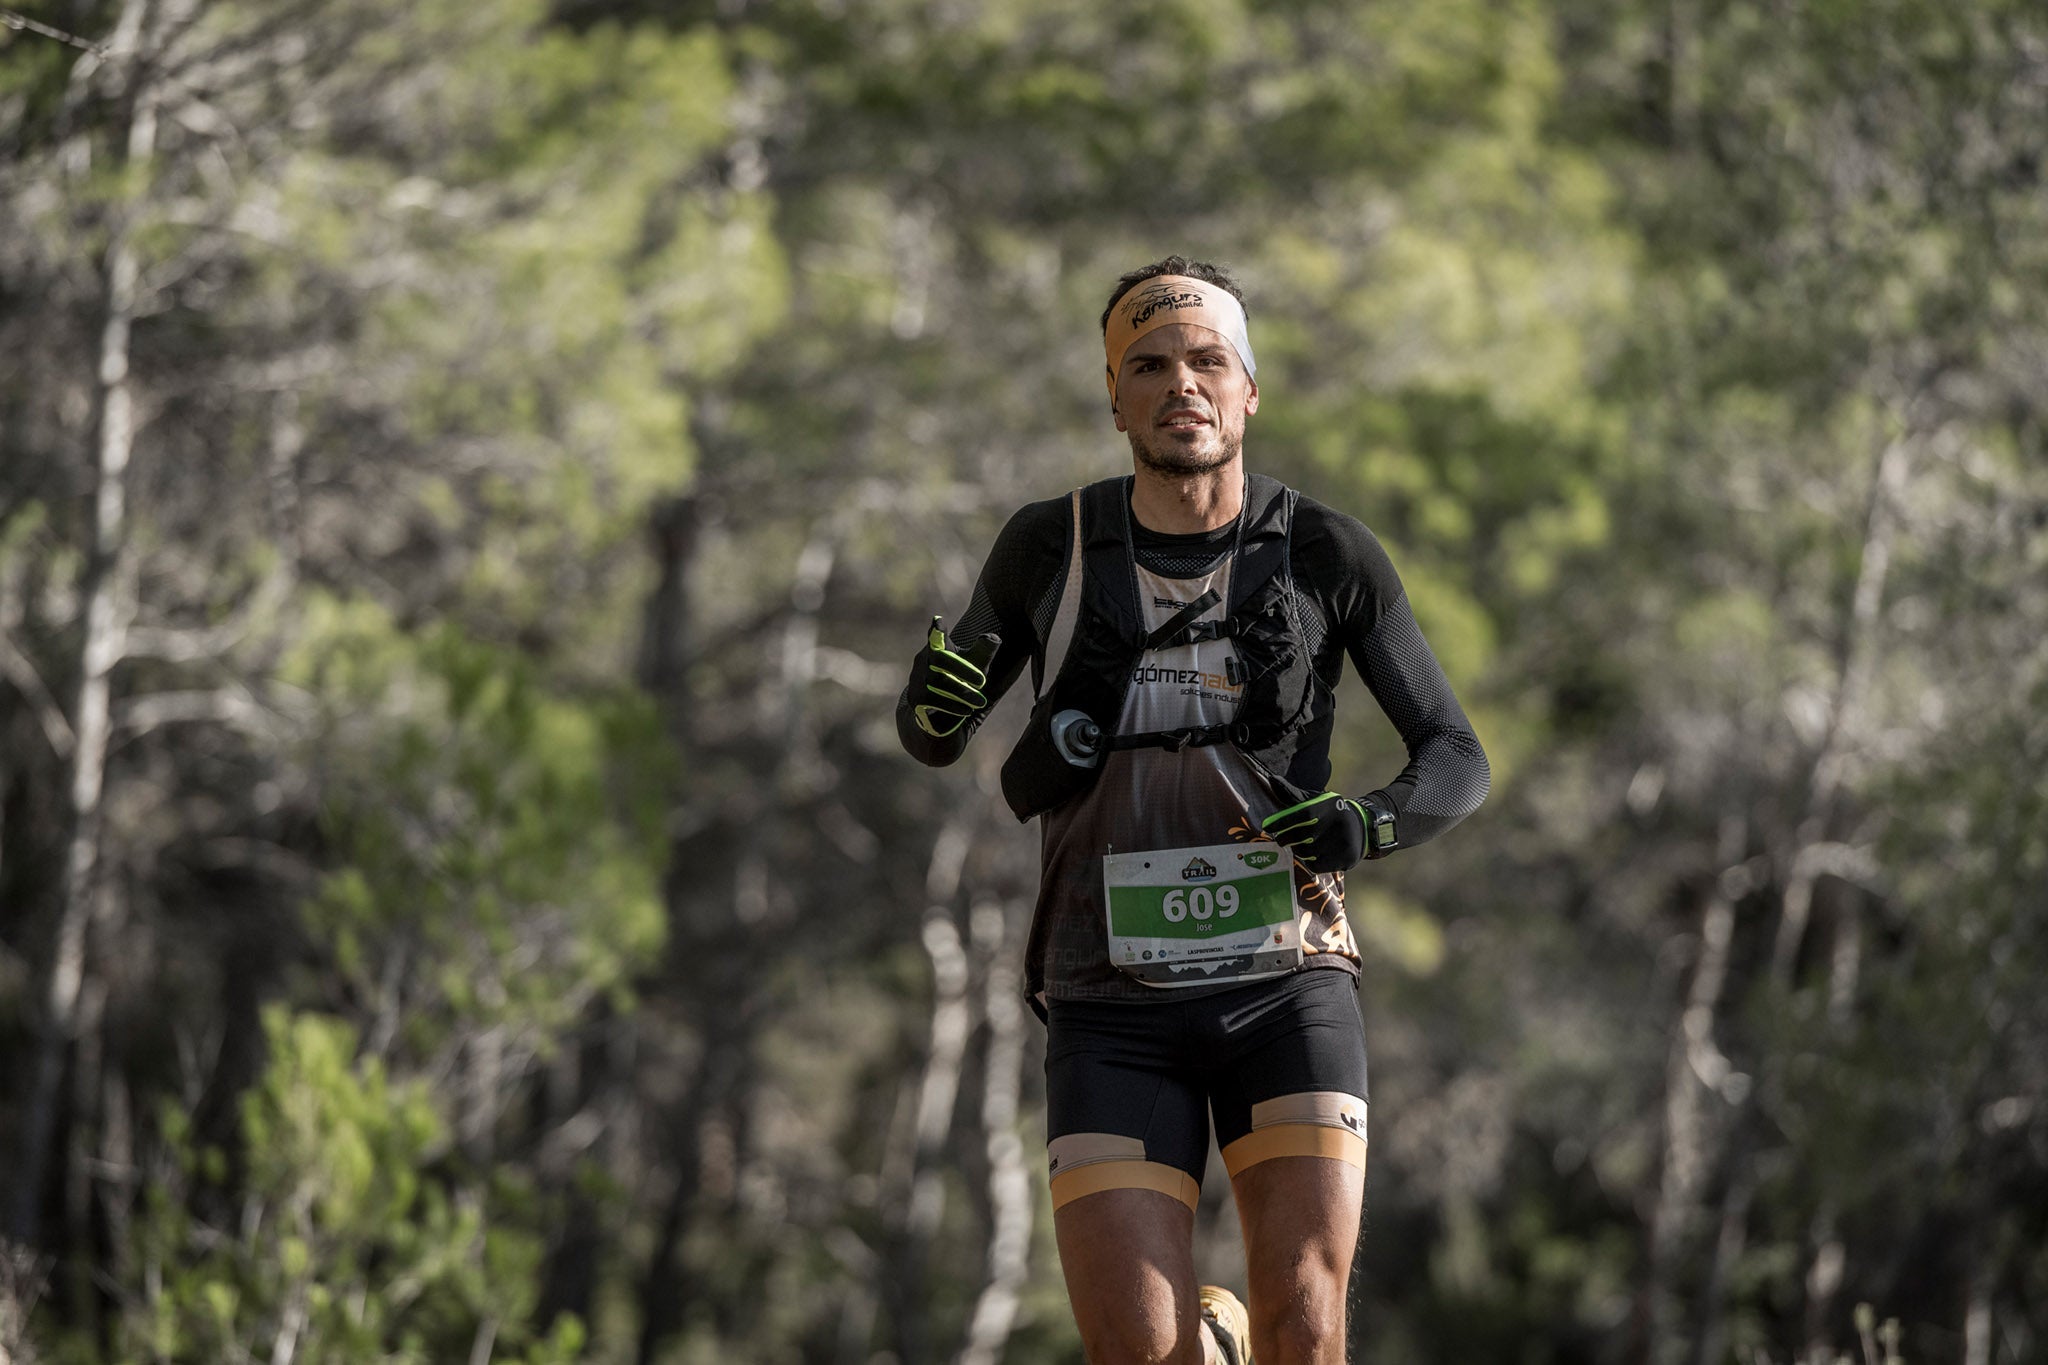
(1173, 741)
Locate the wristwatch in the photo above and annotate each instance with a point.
(1380, 836)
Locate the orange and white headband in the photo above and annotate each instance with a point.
(1168, 299)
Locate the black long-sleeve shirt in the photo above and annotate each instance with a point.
(1350, 603)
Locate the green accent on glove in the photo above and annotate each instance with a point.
(946, 685)
(1322, 831)
(1305, 817)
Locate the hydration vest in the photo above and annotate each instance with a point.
(1098, 638)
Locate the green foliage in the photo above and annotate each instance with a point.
(347, 1242)
(501, 841)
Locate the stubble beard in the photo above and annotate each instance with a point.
(1229, 445)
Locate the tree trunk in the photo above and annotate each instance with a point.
(1682, 50)
(1823, 1282)
(1695, 1071)
(700, 1161)
(1009, 1177)
(674, 535)
(866, 1274)
(108, 592)
(581, 1117)
(1712, 1346)
(1856, 655)
(718, 970)
(951, 1022)
(1977, 1314)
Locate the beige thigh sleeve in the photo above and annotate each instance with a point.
(1088, 1163)
(1316, 1123)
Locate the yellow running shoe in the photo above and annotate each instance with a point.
(1229, 1323)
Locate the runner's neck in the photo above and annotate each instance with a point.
(1190, 503)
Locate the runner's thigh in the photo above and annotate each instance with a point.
(1294, 1082)
(1121, 1110)
(1128, 1137)
(1290, 1111)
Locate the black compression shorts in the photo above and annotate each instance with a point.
(1131, 1088)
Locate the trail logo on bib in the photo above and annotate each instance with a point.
(1198, 870)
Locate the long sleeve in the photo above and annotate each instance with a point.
(1447, 775)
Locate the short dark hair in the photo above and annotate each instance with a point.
(1171, 265)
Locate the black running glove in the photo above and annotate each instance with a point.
(946, 682)
(1331, 833)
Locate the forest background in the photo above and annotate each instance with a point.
(473, 474)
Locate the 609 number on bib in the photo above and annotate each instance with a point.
(1199, 903)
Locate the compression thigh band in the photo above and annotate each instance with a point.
(1325, 1123)
(1089, 1163)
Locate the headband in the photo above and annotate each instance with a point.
(1175, 298)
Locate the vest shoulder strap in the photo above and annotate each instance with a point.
(1263, 546)
(1061, 637)
(1098, 568)
(1111, 581)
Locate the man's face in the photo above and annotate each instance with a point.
(1182, 396)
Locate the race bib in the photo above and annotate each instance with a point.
(1198, 916)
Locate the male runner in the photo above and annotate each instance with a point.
(1186, 627)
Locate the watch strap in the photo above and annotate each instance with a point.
(1382, 834)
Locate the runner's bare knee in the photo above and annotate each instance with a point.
(1125, 1340)
(1307, 1330)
